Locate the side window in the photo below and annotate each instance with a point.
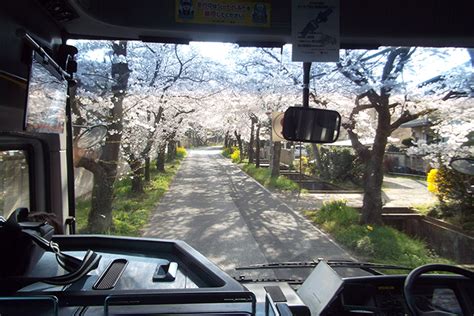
(14, 181)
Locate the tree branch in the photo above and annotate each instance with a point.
(135, 104)
(91, 165)
(406, 117)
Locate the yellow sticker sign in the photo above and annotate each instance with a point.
(224, 12)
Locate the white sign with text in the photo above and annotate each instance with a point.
(315, 30)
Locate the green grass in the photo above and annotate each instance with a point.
(131, 212)
(263, 176)
(423, 209)
(380, 244)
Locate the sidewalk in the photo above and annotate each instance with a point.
(396, 191)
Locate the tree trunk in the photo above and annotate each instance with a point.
(238, 137)
(105, 171)
(147, 169)
(160, 159)
(251, 143)
(171, 151)
(138, 175)
(373, 174)
(275, 159)
(257, 147)
(372, 202)
(226, 139)
(99, 219)
(317, 157)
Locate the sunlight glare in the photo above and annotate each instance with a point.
(216, 51)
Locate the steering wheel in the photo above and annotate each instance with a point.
(416, 273)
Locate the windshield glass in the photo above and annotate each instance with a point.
(193, 151)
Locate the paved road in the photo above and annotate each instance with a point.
(232, 220)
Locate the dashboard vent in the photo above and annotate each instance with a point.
(112, 274)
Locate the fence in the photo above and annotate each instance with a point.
(445, 239)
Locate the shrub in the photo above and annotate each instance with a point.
(377, 243)
(450, 188)
(263, 176)
(181, 152)
(338, 211)
(305, 166)
(282, 183)
(227, 151)
(235, 156)
(432, 182)
(339, 165)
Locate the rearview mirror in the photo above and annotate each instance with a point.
(91, 136)
(463, 165)
(311, 125)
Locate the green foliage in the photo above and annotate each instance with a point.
(235, 156)
(130, 212)
(339, 165)
(181, 152)
(337, 212)
(453, 196)
(83, 205)
(263, 176)
(381, 244)
(227, 151)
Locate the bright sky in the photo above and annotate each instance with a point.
(214, 50)
(438, 63)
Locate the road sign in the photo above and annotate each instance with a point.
(315, 30)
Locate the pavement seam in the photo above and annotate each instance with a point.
(295, 212)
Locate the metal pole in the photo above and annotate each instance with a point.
(306, 71)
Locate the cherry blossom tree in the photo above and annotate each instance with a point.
(376, 92)
(133, 88)
(107, 89)
(453, 120)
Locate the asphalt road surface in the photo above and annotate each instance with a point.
(232, 220)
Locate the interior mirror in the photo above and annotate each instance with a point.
(463, 165)
(91, 136)
(311, 125)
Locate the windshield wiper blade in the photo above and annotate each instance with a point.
(332, 263)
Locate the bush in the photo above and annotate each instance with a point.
(227, 151)
(376, 243)
(431, 179)
(339, 165)
(263, 176)
(282, 183)
(181, 152)
(305, 165)
(235, 156)
(450, 188)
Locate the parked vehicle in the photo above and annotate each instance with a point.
(300, 150)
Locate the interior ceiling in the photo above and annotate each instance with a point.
(364, 23)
